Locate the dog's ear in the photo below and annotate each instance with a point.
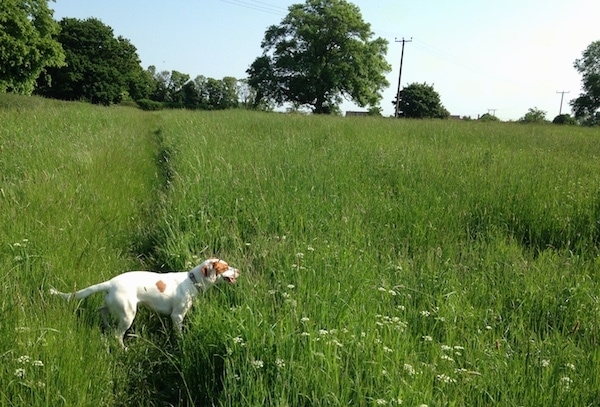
(208, 270)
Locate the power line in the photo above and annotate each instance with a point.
(403, 41)
(257, 5)
(562, 95)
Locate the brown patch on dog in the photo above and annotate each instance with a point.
(205, 271)
(220, 266)
(161, 286)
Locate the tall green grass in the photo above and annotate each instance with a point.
(76, 183)
(383, 262)
(433, 263)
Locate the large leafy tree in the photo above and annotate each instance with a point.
(28, 44)
(321, 52)
(421, 101)
(534, 115)
(100, 68)
(586, 107)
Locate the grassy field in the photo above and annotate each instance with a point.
(383, 262)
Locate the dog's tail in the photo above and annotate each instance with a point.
(82, 293)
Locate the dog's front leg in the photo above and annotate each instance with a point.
(177, 323)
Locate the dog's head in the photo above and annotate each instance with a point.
(216, 270)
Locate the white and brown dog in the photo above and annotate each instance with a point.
(166, 293)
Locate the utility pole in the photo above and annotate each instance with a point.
(562, 95)
(492, 111)
(403, 41)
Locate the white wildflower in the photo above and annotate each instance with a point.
(425, 313)
(545, 363)
(445, 378)
(427, 338)
(381, 402)
(23, 359)
(387, 350)
(336, 343)
(291, 286)
(446, 357)
(323, 332)
(566, 381)
(446, 348)
(279, 363)
(304, 319)
(409, 369)
(570, 366)
(257, 364)
(37, 363)
(20, 373)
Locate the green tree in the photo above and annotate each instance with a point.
(230, 93)
(421, 101)
(100, 68)
(175, 86)
(28, 44)
(534, 115)
(564, 118)
(321, 52)
(586, 107)
(246, 94)
(487, 117)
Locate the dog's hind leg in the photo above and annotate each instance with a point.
(103, 310)
(121, 307)
(125, 322)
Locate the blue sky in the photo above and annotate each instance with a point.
(505, 56)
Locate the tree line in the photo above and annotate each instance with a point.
(320, 54)
(104, 69)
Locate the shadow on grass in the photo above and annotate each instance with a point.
(161, 369)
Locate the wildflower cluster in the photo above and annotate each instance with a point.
(394, 323)
(384, 402)
(238, 343)
(28, 367)
(284, 294)
(20, 250)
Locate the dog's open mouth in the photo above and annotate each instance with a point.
(230, 280)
